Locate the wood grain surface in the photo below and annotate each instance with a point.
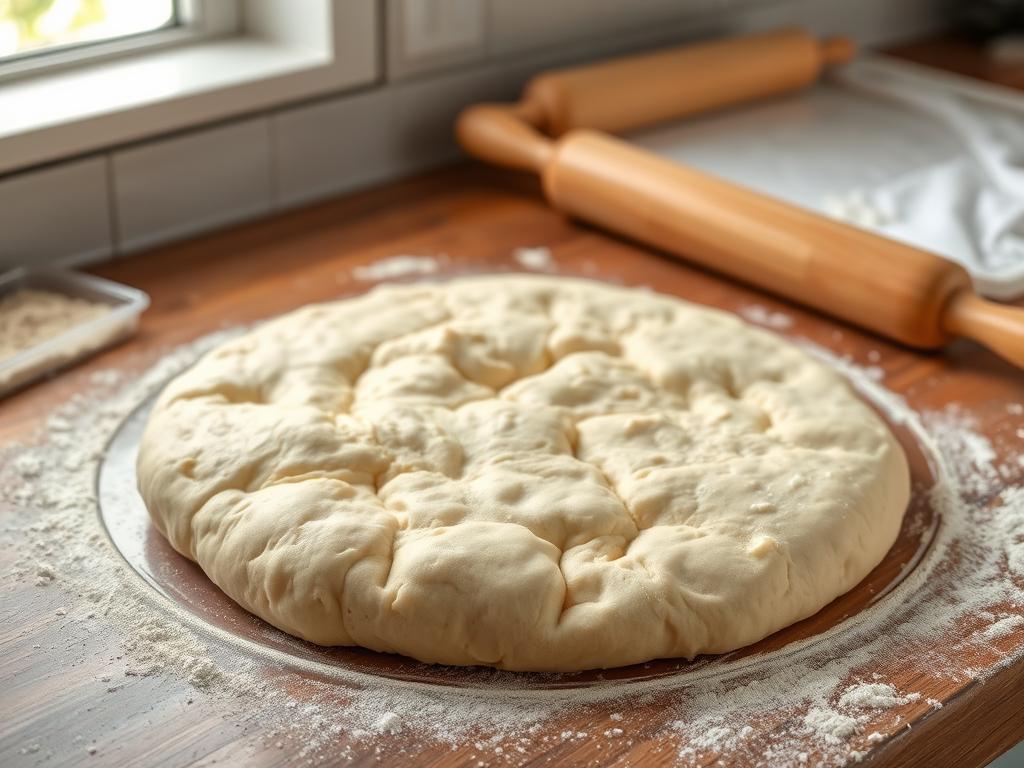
(964, 56)
(54, 699)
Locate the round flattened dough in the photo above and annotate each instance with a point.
(525, 472)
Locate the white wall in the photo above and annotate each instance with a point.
(128, 198)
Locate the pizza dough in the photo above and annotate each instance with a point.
(532, 473)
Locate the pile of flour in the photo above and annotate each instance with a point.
(812, 692)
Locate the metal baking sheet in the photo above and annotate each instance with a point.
(126, 307)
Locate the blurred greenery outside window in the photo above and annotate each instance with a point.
(29, 27)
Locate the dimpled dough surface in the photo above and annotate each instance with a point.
(532, 473)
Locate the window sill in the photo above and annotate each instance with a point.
(71, 112)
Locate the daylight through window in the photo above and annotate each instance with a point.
(32, 27)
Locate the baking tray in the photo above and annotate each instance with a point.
(127, 305)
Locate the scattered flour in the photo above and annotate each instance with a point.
(397, 266)
(156, 647)
(1010, 528)
(45, 574)
(829, 726)
(389, 723)
(957, 431)
(757, 313)
(806, 693)
(1003, 627)
(874, 696)
(28, 465)
(873, 372)
(538, 259)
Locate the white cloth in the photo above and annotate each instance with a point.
(969, 208)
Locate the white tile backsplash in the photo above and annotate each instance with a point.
(515, 26)
(56, 215)
(426, 35)
(426, 111)
(869, 22)
(876, 22)
(174, 187)
(620, 16)
(334, 146)
(199, 181)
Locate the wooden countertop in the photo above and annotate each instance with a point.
(477, 217)
(964, 56)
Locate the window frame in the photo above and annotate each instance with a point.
(197, 20)
(280, 52)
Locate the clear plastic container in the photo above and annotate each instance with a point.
(126, 306)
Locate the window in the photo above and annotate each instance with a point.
(212, 60)
(34, 27)
(41, 35)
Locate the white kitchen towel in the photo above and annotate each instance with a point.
(969, 208)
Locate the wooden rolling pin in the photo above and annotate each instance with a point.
(902, 292)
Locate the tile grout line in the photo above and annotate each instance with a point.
(273, 166)
(113, 217)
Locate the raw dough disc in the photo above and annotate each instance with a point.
(525, 472)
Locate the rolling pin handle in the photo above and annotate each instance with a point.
(837, 50)
(505, 135)
(998, 326)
